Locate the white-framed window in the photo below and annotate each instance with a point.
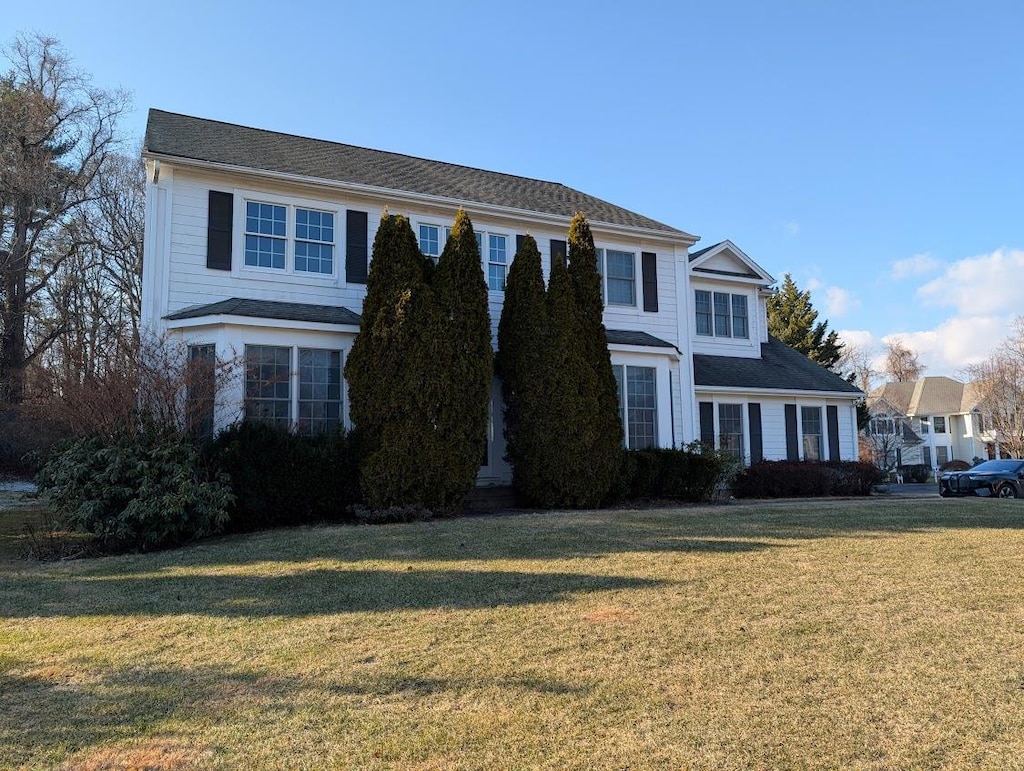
(721, 314)
(810, 417)
(289, 237)
(617, 269)
(941, 455)
(730, 429)
(320, 390)
(497, 261)
(882, 426)
(430, 239)
(638, 405)
(268, 384)
(316, 407)
(939, 424)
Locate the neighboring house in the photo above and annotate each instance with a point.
(258, 247)
(940, 412)
(889, 435)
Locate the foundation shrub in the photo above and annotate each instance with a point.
(279, 478)
(806, 479)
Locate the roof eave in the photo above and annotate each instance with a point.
(850, 395)
(674, 236)
(221, 319)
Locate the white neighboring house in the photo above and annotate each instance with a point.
(943, 414)
(258, 243)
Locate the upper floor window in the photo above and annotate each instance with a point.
(939, 424)
(430, 240)
(618, 276)
(882, 426)
(267, 238)
(497, 262)
(925, 422)
(720, 314)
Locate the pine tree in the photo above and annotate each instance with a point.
(521, 340)
(464, 361)
(593, 340)
(793, 320)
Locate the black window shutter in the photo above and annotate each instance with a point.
(356, 251)
(558, 250)
(520, 238)
(218, 230)
(756, 438)
(707, 423)
(649, 269)
(792, 440)
(832, 417)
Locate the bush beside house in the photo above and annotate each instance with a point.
(801, 479)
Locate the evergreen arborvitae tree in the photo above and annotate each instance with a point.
(793, 320)
(521, 342)
(593, 340)
(462, 357)
(563, 471)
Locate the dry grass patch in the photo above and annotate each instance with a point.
(876, 634)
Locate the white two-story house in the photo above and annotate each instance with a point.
(257, 250)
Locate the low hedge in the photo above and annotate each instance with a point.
(279, 478)
(806, 479)
(669, 474)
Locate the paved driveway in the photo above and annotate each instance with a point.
(926, 490)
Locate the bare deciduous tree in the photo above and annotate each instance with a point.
(57, 133)
(999, 381)
(901, 363)
(857, 361)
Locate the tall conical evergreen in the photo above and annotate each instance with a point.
(562, 471)
(793, 320)
(593, 340)
(521, 342)
(464, 359)
(378, 353)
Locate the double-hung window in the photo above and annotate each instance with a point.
(811, 419)
(319, 390)
(268, 384)
(430, 240)
(283, 237)
(720, 314)
(497, 261)
(617, 270)
(939, 423)
(730, 429)
(638, 405)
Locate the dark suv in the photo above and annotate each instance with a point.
(993, 478)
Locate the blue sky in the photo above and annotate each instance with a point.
(871, 149)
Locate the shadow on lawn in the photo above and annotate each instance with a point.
(51, 714)
(302, 593)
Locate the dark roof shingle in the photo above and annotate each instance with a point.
(779, 367)
(629, 337)
(201, 139)
(271, 309)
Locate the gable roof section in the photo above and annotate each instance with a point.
(933, 395)
(780, 367)
(745, 267)
(210, 141)
(271, 309)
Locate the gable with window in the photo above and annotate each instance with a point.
(721, 314)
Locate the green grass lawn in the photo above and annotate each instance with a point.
(871, 634)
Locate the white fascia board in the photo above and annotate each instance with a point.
(253, 321)
(650, 350)
(778, 392)
(729, 246)
(720, 276)
(437, 200)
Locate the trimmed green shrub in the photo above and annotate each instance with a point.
(522, 331)
(142, 490)
(670, 474)
(801, 479)
(955, 465)
(917, 472)
(279, 478)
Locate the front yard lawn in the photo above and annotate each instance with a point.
(875, 633)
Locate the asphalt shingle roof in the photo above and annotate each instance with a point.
(627, 337)
(201, 139)
(933, 395)
(779, 367)
(271, 309)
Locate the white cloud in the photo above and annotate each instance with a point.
(839, 302)
(814, 285)
(918, 265)
(955, 343)
(792, 227)
(979, 286)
